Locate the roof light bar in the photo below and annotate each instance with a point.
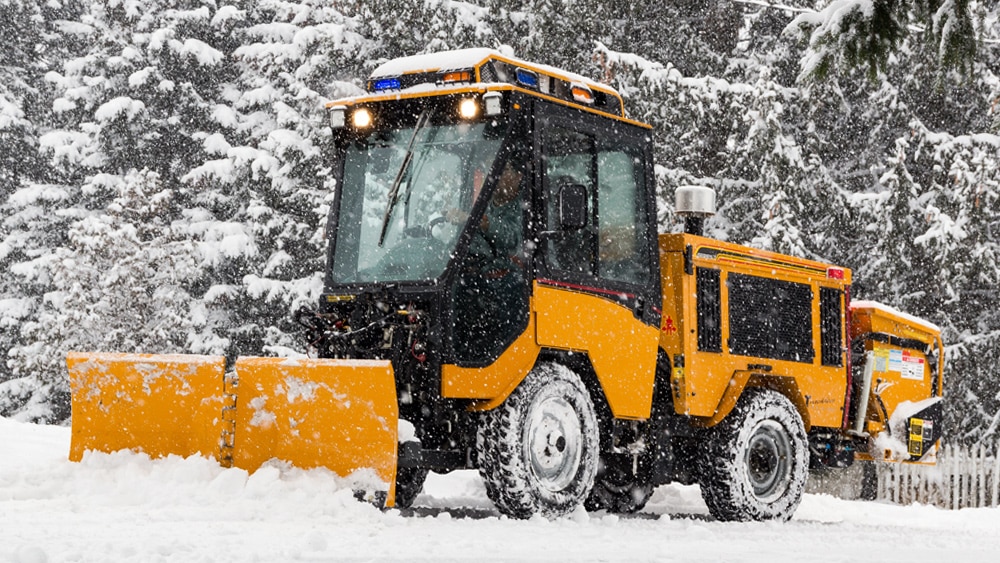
(582, 94)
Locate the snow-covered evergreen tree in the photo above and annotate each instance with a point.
(134, 105)
(266, 184)
(119, 284)
(19, 23)
(36, 36)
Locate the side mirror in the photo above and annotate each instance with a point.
(572, 207)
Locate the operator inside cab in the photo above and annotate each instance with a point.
(491, 298)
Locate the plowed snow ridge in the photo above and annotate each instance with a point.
(126, 507)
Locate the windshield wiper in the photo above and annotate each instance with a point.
(425, 116)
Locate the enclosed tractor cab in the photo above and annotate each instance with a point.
(497, 297)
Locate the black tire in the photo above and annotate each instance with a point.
(538, 451)
(756, 460)
(409, 483)
(620, 490)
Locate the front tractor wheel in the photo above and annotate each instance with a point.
(538, 451)
(757, 460)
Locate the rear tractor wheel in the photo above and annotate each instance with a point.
(538, 451)
(756, 460)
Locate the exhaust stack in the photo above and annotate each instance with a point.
(694, 204)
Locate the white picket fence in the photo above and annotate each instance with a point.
(964, 477)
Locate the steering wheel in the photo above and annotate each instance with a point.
(435, 222)
(421, 231)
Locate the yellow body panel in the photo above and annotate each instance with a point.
(159, 405)
(899, 375)
(621, 348)
(902, 372)
(871, 317)
(493, 383)
(678, 308)
(709, 383)
(338, 414)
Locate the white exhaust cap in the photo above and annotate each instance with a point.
(694, 201)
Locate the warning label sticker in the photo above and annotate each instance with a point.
(912, 367)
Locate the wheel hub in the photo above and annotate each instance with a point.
(768, 460)
(554, 443)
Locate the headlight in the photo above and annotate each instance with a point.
(362, 118)
(468, 108)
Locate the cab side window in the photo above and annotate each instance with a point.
(613, 246)
(622, 218)
(569, 160)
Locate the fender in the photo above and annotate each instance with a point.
(622, 349)
(743, 379)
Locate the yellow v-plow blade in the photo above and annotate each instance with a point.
(338, 414)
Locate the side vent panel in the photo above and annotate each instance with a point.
(709, 310)
(830, 327)
(770, 318)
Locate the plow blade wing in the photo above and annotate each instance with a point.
(338, 414)
(157, 404)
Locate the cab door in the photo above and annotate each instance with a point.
(596, 285)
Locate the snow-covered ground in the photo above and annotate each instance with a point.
(125, 507)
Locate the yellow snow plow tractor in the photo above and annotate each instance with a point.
(497, 297)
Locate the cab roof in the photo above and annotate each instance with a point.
(474, 58)
(487, 67)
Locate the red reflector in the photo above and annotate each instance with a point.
(835, 273)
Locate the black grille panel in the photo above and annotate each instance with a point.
(770, 318)
(709, 311)
(830, 323)
(487, 73)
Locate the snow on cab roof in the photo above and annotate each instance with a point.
(433, 62)
(469, 58)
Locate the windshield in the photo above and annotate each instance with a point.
(436, 189)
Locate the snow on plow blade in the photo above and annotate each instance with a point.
(337, 414)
